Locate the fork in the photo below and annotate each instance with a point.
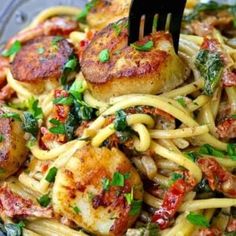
(169, 14)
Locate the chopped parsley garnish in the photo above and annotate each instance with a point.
(40, 50)
(2, 138)
(207, 149)
(231, 149)
(118, 179)
(63, 101)
(34, 108)
(181, 101)
(76, 210)
(146, 47)
(233, 116)
(104, 56)
(136, 206)
(56, 40)
(12, 115)
(105, 184)
(44, 200)
(129, 196)
(58, 127)
(83, 14)
(51, 175)
(71, 64)
(198, 219)
(174, 178)
(2, 170)
(210, 66)
(15, 48)
(117, 28)
(120, 122)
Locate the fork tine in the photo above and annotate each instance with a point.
(148, 24)
(161, 23)
(133, 30)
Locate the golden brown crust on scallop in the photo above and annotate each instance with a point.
(106, 12)
(13, 150)
(129, 70)
(80, 184)
(41, 59)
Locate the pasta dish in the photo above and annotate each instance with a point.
(98, 137)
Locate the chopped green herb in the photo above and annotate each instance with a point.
(77, 88)
(233, 116)
(71, 64)
(83, 14)
(117, 28)
(58, 127)
(13, 115)
(56, 39)
(146, 47)
(44, 200)
(63, 101)
(105, 184)
(2, 138)
(136, 206)
(15, 48)
(76, 210)
(120, 122)
(181, 101)
(207, 149)
(118, 179)
(231, 149)
(129, 196)
(51, 175)
(198, 219)
(192, 156)
(40, 50)
(210, 66)
(90, 196)
(174, 178)
(127, 175)
(30, 124)
(203, 7)
(104, 55)
(2, 171)
(34, 108)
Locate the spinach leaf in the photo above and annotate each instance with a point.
(120, 122)
(11, 229)
(198, 219)
(210, 66)
(203, 7)
(30, 123)
(207, 149)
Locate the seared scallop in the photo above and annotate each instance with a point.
(113, 10)
(41, 61)
(99, 190)
(13, 150)
(113, 68)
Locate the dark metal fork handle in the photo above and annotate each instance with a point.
(149, 8)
